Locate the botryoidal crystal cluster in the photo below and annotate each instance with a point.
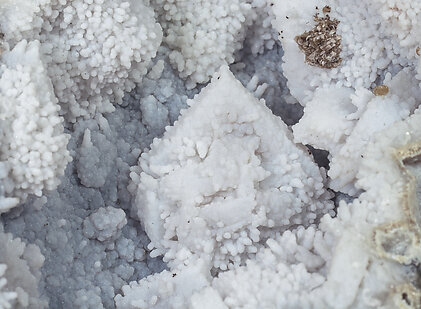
(210, 154)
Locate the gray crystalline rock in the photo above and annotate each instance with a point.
(104, 224)
(154, 113)
(95, 157)
(94, 271)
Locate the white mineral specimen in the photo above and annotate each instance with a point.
(343, 122)
(19, 19)
(33, 152)
(5, 297)
(226, 172)
(238, 213)
(19, 273)
(95, 50)
(359, 259)
(168, 289)
(355, 258)
(289, 265)
(368, 50)
(340, 113)
(80, 271)
(260, 35)
(379, 113)
(202, 35)
(400, 20)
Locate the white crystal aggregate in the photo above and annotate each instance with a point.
(359, 259)
(226, 154)
(338, 101)
(94, 50)
(20, 273)
(347, 121)
(190, 154)
(33, 143)
(203, 35)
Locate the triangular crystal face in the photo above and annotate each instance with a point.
(224, 177)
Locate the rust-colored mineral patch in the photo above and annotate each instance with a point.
(322, 45)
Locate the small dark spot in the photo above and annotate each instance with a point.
(326, 9)
(188, 221)
(362, 156)
(406, 299)
(173, 275)
(287, 17)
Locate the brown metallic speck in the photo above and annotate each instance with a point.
(381, 90)
(326, 9)
(321, 45)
